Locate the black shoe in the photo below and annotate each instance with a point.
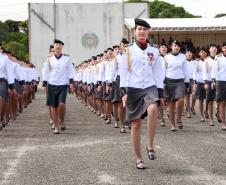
(179, 125)
(63, 128)
(151, 154)
(218, 118)
(1, 127)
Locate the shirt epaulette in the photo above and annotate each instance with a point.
(66, 55)
(219, 55)
(129, 44)
(153, 45)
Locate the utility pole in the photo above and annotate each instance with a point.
(54, 18)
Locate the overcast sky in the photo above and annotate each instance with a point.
(18, 9)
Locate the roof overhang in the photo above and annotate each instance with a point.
(182, 24)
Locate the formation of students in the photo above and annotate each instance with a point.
(18, 85)
(128, 82)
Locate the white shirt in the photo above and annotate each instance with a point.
(142, 71)
(110, 70)
(162, 75)
(6, 69)
(85, 75)
(61, 70)
(207, 68)
(219, 68)
(100, 69)
(190, 65)
(176, 66)
(122, 68)
(198, 71)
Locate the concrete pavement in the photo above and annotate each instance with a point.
(91, 152)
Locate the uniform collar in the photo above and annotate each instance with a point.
(142, 46)
(176, 54)
(59, 56)
(212, 57)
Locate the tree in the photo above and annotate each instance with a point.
(14, 37)
(13, 25)
(24, 26)
(3, 31)
(220, 15)
(17, 49)
(161, 9)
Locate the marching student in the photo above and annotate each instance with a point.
(51, 51)
(122, 84)
(176, 76)
(115, 87)
(198, 80)
(141, 66)
(219, 80)
(6, 81)
(210, 90)
(109, 73)
(58, 73)
(163, 49)
(188, 85)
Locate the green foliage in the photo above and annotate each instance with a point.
(17, 49)
(14, 36)
(13, 25)
(161, 9)
(220, 15)
(3, 31)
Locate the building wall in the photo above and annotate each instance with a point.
(136, 10)
(86, 29)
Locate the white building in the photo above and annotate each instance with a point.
(87, 29)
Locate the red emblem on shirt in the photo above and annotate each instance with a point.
(150, 57)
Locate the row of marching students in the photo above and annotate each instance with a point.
(97, 84)
(139, 80)
(18, 84)
(200, 85)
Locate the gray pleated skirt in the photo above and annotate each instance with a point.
(116, 95)
(200, 91)
(220, 91)
(138, 100)
(210, 93)
(174, 89)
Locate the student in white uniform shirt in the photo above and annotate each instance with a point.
(109, 76)
(13, 96)
(219, 79)
(6, 81)
(122, 84)
(59, 74)
(99, 89)
(51, 52)
(188, 85)
(115, 87)
(210, 90)
(199, 82)
(142, 63)
(163, 49)
(176, 76)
